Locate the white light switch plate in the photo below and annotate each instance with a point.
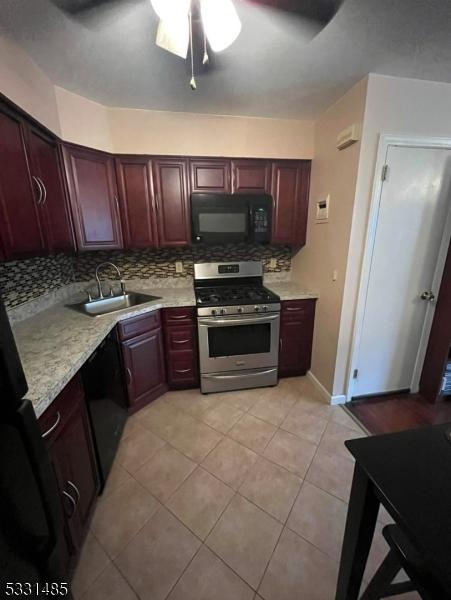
(272, 263)
(178, 266)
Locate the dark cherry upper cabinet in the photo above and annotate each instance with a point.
(296, 337)
(142, 353)
(45, 166)
(20, 227)
(210, 175)
(290, 187)
(135, 185)
(251, 176)
(170, 177)
(93, 197)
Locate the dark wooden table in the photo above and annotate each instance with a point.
(410, 474)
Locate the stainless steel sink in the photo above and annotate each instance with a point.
(105, 306)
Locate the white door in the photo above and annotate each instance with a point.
(411, 222)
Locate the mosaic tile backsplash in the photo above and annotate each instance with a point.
(21, 281)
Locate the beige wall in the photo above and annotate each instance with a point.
(23, 82)
(158, 132)
(334, 172)
(394, 106)
(83, 121)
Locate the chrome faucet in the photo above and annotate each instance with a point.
(99, 285)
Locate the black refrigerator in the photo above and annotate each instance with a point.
(33, 548)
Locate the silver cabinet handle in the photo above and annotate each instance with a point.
(180, 341)
(179, 317)
(181, 371)
(75, 488)
(116, 199)
(280, 344)
(71, 500)
(41, 192)
(44, 189)
(293, 309)
(129, 375)
(53, 427)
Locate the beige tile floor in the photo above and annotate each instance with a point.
(234, 496)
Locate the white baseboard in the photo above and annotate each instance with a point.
(337, 399)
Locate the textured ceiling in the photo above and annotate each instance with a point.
(278, 67)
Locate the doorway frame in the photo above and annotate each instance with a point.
(386, 140)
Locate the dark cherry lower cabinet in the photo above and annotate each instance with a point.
(142, 353)
(181, 351)
(296, 336)
(66, 429)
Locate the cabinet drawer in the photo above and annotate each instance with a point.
(180, 338)
(182, 369)
(137, 325)
(185, 314)
(54, 419)
(294, 310)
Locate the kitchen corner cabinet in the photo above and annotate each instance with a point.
(93, 197)
(296, 337)
(66, 429)
(142, 354)
(290, 187)
(170, 176)
(181, 350)
(136, 199)
(251, 176)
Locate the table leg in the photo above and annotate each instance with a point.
(360, 524)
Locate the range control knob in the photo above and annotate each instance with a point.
(214, 311)
(265, 308)
(239, 309)
(223, 311)
(257, 308)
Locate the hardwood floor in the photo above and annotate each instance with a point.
(387, 414)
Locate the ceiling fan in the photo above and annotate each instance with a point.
(202, 27)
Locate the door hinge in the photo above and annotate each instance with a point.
(384, 173)
(355, 373)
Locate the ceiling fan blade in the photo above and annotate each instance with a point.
(320, 11)
(167, 9)
(221, 23)
(76, 7)
(173, 36)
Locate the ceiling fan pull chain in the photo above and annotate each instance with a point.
(206, 58)
(192, 80)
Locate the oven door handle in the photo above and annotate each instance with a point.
(240, 376)
(237, 321)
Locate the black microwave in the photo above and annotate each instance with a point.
(231, 218)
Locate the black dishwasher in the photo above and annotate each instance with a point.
(106, 398)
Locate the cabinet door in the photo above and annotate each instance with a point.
(93, 197)
(290, 187)
(20, 227)
(46, 165)
(144, 366)
(295, 349)
(251, 176)
(172, 201)
(210, 175)
(134, 178)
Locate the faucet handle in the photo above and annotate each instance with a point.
(89, 295)
(123, 287)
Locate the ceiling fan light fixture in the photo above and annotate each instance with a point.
(221, 23)
(167, 10)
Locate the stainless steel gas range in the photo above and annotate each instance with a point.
(238, 325)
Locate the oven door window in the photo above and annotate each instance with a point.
(239, 340)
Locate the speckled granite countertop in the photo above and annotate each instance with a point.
(289, 290)
(55, 343)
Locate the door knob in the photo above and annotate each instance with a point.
(429, 296)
